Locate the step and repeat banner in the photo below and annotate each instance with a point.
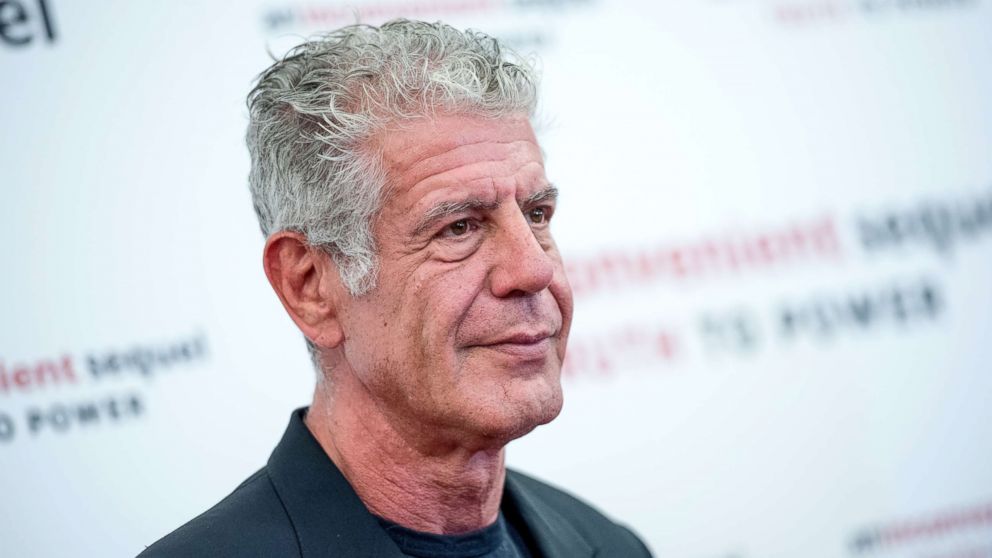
(776, 217)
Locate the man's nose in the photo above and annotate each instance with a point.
(522, 265)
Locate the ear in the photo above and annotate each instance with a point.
(308, 285)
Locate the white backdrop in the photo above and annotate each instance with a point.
(777, 216)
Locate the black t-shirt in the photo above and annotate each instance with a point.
(499, 540)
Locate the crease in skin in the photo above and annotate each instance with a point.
(429, 153)
(505, 168)
(453, 150)
(439, 160)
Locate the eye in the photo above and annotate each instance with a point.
(539, 215)
(459, 228)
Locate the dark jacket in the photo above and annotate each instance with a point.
(300, 504)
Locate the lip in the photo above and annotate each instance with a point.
(526, 346)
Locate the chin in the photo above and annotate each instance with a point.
(518, 417)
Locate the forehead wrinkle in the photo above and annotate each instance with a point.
(420, 168)
(489, 172)
(472, 179)
(450, 132)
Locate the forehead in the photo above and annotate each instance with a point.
(451, 150)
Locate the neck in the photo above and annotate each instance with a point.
(403, 474)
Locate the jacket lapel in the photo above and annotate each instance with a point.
(555, 536)
(329, 518)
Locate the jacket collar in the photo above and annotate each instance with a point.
(330, 519)
(554, 535)
(327, 515)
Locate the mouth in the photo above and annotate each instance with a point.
(524, 346)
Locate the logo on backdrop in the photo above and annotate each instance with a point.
(322, 16)
(935, 231)
(26, 22)
(964, 523)
(54, 377)
(810, 12)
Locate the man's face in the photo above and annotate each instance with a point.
(464, 335)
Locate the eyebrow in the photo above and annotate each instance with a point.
(548, 193)
(444, 209)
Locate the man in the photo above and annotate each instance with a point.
(402, 193)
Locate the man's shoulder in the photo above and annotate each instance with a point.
(610, 537)
(251, 521)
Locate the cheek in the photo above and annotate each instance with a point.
(442, 304)
(371, 335)
(561, 290)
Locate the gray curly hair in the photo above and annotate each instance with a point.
(313, 116)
